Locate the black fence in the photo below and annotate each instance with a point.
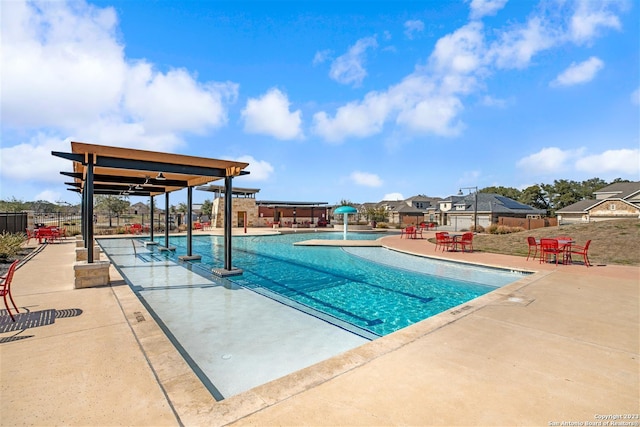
(13, 222)
(72, 222)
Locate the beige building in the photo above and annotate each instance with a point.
(620, 200)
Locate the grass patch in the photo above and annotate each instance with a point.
(612, 242)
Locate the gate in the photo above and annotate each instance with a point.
(13, 222)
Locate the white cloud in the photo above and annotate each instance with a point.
(590, 16)
(431, 99)
(412, 27)
(480, 8)
(32, 160)
(259, 170)
(270, 115)
(366, 179)
(322, 56)
(348, 68)
(553, 160)
(359, 119)
(547, 161)
(579, 73)
(64, 72)
(490, 101)
(460, 52)
(624, 161)
(392, 197)
(175, 101)
(635, 97)
(48, 195)
(517, 46)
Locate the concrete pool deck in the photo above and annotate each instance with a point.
(561, 345)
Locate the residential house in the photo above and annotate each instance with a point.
(413, 210)
(619, 200)
(461, 211)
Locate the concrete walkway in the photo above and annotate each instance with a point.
(561, 345)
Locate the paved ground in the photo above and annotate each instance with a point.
(561, 345)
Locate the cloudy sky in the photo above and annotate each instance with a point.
(358, 100)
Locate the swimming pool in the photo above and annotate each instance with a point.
(369, 291)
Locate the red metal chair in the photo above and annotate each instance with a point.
(550, 247)
(533, 247)
(409, 232)
(6, 288)
(466, 241)
(582, 250)
(444, 240)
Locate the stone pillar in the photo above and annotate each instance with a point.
(89, 275)
(82, 253)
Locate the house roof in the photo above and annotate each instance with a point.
(620, 190)
(581, 206)
(489, 202)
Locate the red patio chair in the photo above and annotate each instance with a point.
(408, 231)
(444, 240)
(582, 250)
(550, 247)
(417, 231)
(533, 247)
(6, 288)
(466, 241)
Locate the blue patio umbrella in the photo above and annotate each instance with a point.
(345, 210)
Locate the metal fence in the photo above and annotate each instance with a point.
(13, 222)
(72, 222)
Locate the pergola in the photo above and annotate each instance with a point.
(99, 169)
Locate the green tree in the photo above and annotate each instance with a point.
(207, 208)
(590, 186)
(376, 213)
(13, 205)
(510, 192)
(565, 193)
(535, 196)
(111, 205)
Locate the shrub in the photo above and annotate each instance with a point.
(382, 225)
(491, 229)
(502, 229)
(10, 244)
(480, 229)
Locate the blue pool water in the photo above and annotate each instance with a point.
(375, 289)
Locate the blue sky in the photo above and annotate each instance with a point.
(327, 100)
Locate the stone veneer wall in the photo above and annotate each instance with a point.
(238, 204)
(604, 212)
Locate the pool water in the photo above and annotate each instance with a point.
(374, 289)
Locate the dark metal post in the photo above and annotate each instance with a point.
(166, 220)
(151, 222)
(189, 219)
(228, 212)
(475, 213)
(83, 220)
(88, 188)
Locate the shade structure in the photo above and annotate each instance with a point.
(100, 169)
(345, 210)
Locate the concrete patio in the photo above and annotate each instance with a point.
(561, 345)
